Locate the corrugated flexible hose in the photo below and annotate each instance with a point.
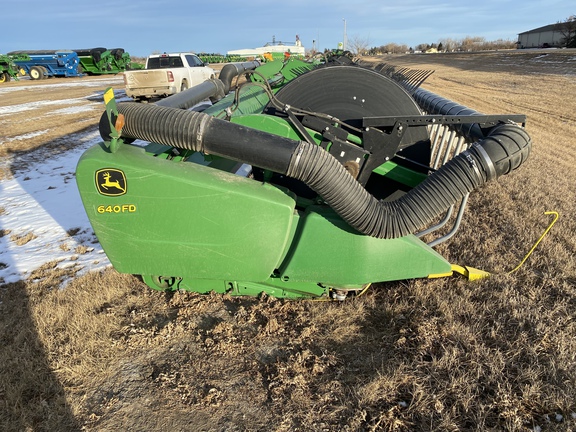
(503, 150)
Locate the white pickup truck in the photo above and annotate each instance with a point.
(165, 75)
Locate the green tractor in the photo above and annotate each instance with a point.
(307, 180)
(8, 69)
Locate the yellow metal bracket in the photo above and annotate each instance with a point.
(468, 272)
(115, 126)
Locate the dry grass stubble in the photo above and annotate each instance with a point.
(107, 353)
(51, 125)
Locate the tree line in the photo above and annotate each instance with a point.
(360, 46)
(469, 43)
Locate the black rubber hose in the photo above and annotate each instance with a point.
(212, 89)
(433, 104)
(503, 150)
(200, 132)
(232, 70)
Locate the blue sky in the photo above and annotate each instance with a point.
(145, 26)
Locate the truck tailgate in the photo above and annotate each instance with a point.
(146, 78)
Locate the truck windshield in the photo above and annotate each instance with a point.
(164, 62)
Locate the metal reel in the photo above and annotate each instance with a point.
(351, 93)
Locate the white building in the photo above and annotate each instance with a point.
(295, 49)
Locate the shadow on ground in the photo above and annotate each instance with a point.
(31, 396)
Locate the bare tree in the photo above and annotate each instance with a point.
(469, 43)
(499, 44)
(568, 30)
(358, 45)
(448, 44)
(394, 48)
(472, 43)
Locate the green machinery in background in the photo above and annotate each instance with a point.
(307, 180)
(211, 58)
(100, 61)
(10, 70)
(70, 63)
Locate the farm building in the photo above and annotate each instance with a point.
(541, 37)
(296, 49)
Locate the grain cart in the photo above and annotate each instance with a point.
(8, 69)
(305, 182)
(48, 63)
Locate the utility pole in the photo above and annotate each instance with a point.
(344, 41)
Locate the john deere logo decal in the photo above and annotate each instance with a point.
(111, 182)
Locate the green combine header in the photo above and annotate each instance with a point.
(102, 61)
(307, 180)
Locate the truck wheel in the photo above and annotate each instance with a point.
(36, 73)
(184, 86)
(4, 77)
(45, 71)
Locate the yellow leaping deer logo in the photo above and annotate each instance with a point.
(111, 182)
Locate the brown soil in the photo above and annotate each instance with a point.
(108, 353)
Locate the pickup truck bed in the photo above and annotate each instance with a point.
(165, 75)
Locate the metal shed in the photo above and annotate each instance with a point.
(541, 37)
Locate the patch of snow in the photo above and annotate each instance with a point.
(12, 109)
(64, 83)
(26, 136)
(75, 110)
(44, 202)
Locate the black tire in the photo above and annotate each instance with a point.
(36, 73)
(4, 77)
(117, 53)
(96, 54)
(184, 86)
(46, 75)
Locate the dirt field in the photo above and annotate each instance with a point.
(107, 353)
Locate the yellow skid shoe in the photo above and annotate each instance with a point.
(468, 272)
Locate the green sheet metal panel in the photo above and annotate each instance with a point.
(183, 219)
(327, 250)
(252, 100)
